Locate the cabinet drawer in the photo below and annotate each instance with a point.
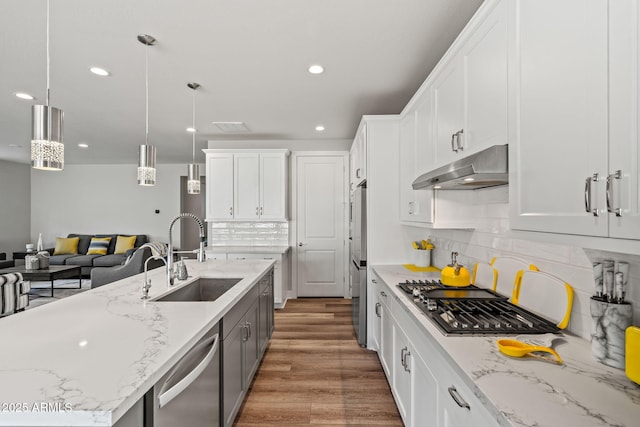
(215, 256)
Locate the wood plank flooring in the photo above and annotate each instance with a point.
(315, 373)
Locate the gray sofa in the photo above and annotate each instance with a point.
(88, 262)
(103, 275)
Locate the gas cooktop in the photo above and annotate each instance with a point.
(473, 311)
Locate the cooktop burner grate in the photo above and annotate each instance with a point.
(474, 311)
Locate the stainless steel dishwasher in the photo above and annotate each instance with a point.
(189, 394)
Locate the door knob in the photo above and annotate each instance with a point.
(300, 244)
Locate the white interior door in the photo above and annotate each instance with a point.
(320, 229)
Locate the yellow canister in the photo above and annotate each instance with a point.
(632, 354)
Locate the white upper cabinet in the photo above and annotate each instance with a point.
(415, 155)
(219, 189)
(247, 185)
(624, 99)
(246, 178)
(358, 154)
(558, 133)
(470, 89)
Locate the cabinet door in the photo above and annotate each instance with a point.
(484, 56)
(360, 156)
(407, 165)
(232, 373)
(264, 324)
(424, 392)
(558, 129)
(376, 331)
(423, 158)
(624, 96)
(401, 383)
(247, 186)
(273, 184)
(448, 89)
(386, 336)
(251, 348)
(219, 186)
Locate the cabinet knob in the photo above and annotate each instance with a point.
(300, 244)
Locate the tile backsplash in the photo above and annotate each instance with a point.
(492, 237)
(248, 233)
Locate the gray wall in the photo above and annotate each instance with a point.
(104, 199)
(15, 206)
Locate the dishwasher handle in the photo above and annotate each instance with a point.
(167, 396)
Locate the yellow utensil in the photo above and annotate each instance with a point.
(515, 348)
(415, 245)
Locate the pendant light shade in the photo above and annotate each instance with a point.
(147, 165)
(146, 152)
(47, 149)
(193, 178)
(193, 170)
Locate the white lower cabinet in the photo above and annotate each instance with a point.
(280, 275)
(425, 386)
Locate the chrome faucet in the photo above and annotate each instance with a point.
(170, 252)
(147, 282)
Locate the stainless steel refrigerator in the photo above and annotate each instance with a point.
(358, 258)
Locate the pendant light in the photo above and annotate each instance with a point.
(146, 153)
(193, 170)
(47, 149)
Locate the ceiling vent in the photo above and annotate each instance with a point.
(232, 127)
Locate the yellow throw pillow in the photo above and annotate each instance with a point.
(124, 243)
(99, 246)
(66, 245)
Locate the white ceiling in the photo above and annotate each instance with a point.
(249, 56)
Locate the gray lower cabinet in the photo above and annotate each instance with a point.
(244, 340)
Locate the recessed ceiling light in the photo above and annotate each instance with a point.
(320, 128)
(437, 187)
(316, 69)
(83, 145)
(469, 179)
(190, 129)
(15, 146)
(23, 95)
(99, 71)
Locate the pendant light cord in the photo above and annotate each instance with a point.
(146, 81)
(48, 58)
(193, 125)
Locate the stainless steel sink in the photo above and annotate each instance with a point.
(202, 289)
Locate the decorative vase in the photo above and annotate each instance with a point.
(39, 246)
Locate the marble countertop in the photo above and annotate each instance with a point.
(527, 391)
(88, 358)
(279, 249)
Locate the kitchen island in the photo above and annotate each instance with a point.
(504, 391)
(88, 359)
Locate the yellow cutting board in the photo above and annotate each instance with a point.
(507, 268)
(544, 294)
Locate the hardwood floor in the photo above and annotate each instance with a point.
(315, 373)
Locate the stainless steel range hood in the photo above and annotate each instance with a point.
(487, 168)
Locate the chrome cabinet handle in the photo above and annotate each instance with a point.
(406, 362)
(410, 208)
(610, 208)
(249, 330)
(245, 333)
(231, 211)
(460, 132)
(587, 193)
(383, 294)
(403, 355)
(358, 173)
(453, 147)
(261, 210)
(378, 309)
(458, 399)
(257, 210)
